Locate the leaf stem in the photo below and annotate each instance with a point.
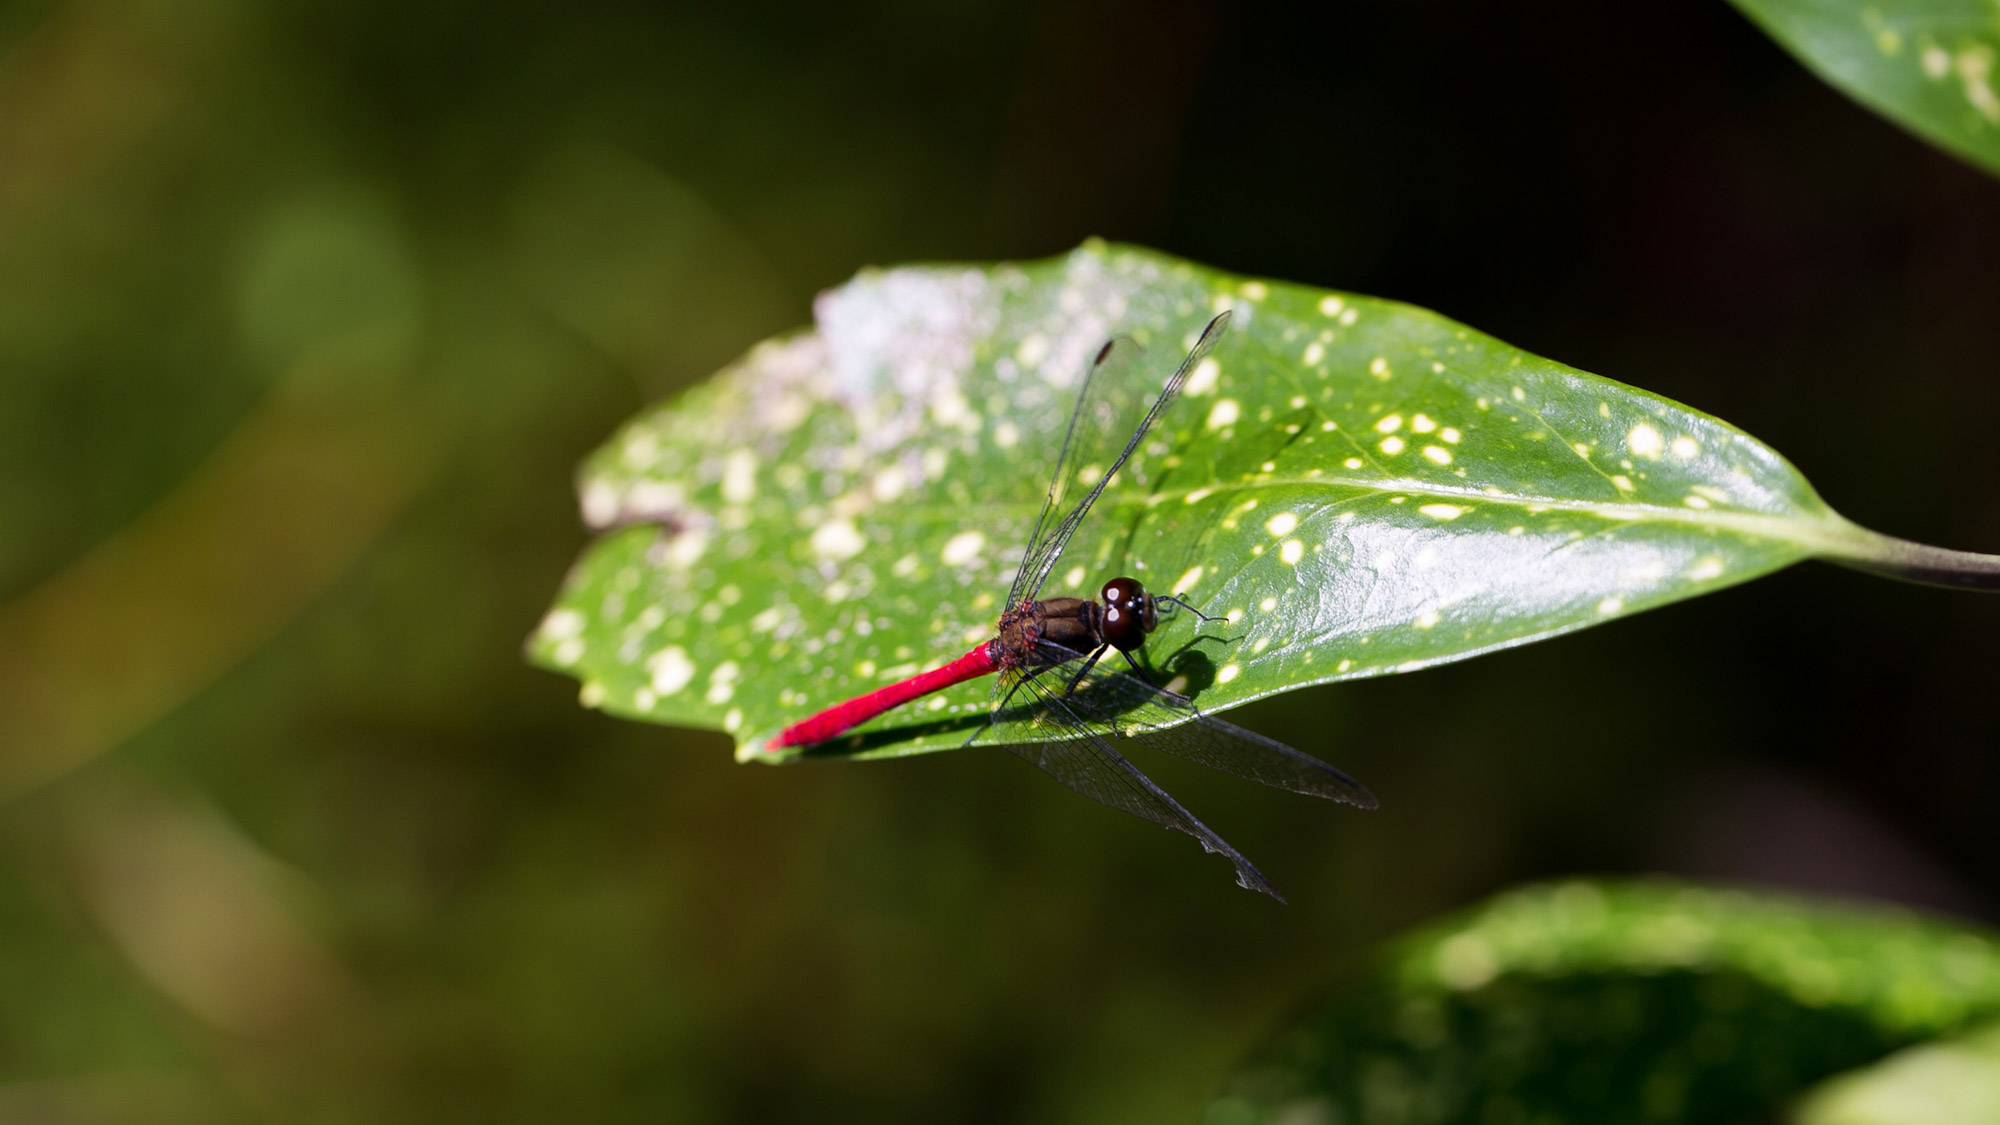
(1901, 559)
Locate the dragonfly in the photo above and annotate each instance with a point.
(1058, 701)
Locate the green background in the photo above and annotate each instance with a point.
(308, 313)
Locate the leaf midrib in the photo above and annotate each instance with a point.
(1820, 532)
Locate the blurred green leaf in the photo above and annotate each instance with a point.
(1927, 65)
(1614, 1002)
(328, 281)
(1951, 1082)
(1360, 487)
(637, 264)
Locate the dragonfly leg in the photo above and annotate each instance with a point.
(1176, 601)
(1088, 663)
(1031, 677)
(1024, 681)
(1145, 676)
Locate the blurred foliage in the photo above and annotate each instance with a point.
(1627, 1002)
(309, 311)
(1928, 65)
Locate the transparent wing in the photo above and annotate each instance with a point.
(1106, 698)
(1097, 443)
(1090, 766)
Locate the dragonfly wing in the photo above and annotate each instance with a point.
(1099, 441)
(1171, 722)
(1090, 766)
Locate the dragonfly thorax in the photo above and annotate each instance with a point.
(1058, 630)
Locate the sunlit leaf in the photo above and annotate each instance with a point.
(1360, 487)
(1953, 1081)
(1619, 1002)
(1927, 65)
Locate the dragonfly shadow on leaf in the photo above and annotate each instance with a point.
(1186, 670)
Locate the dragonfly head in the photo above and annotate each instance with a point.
(1128, 614)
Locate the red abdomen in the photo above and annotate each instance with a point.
(843, 717)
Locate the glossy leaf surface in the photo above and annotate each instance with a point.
(1358, 486)
(1608, 1002)
(1927, 65)
(1953, 1081)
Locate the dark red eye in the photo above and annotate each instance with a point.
(1127, 614)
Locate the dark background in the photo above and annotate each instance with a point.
(301, 337)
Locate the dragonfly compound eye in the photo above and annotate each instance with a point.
(1127, 615)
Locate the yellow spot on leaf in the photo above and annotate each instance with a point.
(671, 669)
(1187, 581)
(889, 483)
(1644, 441)
(962, 548)
(1936, 61)
(722, 682)
(739, 476)
(1204, 377)
(1975, 69)
(838, 539)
